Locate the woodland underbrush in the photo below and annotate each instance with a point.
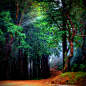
(70, 78)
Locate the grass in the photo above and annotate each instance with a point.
(72, 78)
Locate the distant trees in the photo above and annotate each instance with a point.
(20, 42)
(30, 29)
(38, 67)
(65, 23)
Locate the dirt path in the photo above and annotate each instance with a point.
(41, 82)
(55, 72)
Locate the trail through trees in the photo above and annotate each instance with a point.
(53, 73)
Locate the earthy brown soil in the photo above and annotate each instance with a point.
(53, 73)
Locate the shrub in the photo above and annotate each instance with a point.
(75, 68)
(82, 67)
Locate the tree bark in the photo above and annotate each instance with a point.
(20, 62)
(38, 67)
(64, 43)
(7, 46)
(25, 67)
(13, 75)
(67, 64)
(7, 55)
(30, 70)
(42, 66)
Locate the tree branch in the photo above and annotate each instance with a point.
(81, 35)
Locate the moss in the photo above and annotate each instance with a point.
(73, 76)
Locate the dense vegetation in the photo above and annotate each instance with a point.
(30, 31)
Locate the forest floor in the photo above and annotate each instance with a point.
(57, 78)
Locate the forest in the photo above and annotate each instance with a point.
(39, 37)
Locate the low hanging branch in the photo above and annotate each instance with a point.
(75, 41)
(81, 35)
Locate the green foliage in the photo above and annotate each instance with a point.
(1, 35)
(46, 30)
(83, 67)
(10, 27)
(74, 68)
(50, 26)
(60, 67)
(79, 40)
(48, 35)
(74, 77)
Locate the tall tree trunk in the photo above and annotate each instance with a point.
(20, 62)
(38, 60)
(47, 66)
(21, 65)
(25, 66)
(42, 67)
(7, 46)
(64, 35)
(13, 76)
(30, 70)
(3, 70)
(67, 64)
(34, 68)
(7, 54)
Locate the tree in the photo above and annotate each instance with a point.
(16, 34)
(72, 34)
(68, 20)
(64, 35)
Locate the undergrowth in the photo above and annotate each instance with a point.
(72, 78)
